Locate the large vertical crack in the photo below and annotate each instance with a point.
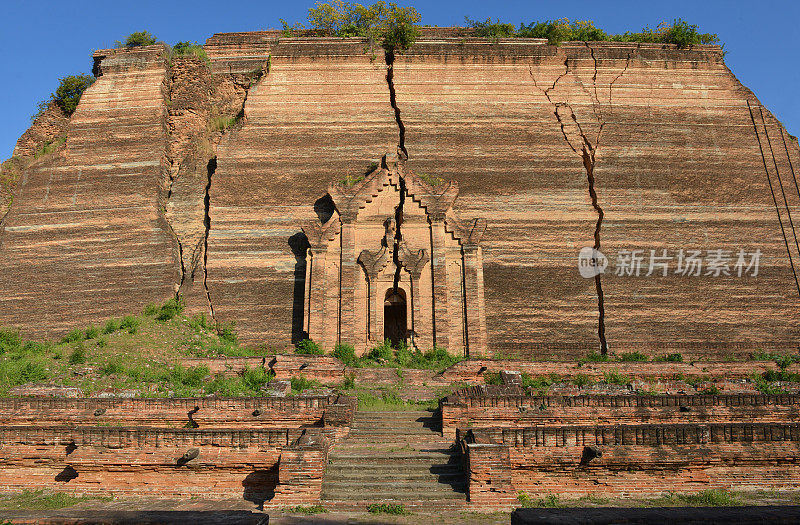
(588, 163)
(389, 56)
(212, 167)
(398, 236)
(577, 140)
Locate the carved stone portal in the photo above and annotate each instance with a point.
(394, 262)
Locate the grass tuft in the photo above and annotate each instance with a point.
(396, 509)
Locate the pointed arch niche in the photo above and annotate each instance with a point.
(395, 235)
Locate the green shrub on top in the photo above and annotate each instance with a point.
(190, 49)
(137, 39)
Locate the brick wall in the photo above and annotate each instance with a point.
(473, 370)
(525, 411)
(635, 460)
(234, 452)
(255, 413)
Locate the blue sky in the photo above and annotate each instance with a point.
(43, 41)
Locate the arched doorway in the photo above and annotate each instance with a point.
(395, 317)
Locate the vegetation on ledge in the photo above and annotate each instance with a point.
(396, 28)
(392, 27)
(679, 32)
(137, 39)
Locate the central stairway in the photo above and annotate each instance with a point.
(394, 457)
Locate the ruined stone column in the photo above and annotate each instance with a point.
(473, 296)
(316, 295)
(441, 328)
(347, 290)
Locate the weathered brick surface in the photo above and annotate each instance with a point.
(300, 475)
(677, 165)
(135, 447)
(525, 411)
(682, 155)
(226, 413)
(47, 126)
(86, 238)
(636, 460)
(144, 462)
(474, 370)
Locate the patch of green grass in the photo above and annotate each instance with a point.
(170, 309)
(549, 501)
(73, 336)
(594, 357)
(671, 358)
(111, 368)
(492, 378)
(50, 146)
(712, 390)
(41, 500)
(151, 310)
(540, 383)
(223, 123)
(349, 382)
(111, 326)
(9, 341)
(582, 380)
(300, 384)
(344, 353)
(129, 323)
(615, 377)
(384, 355)
(765, 387)
(308, 347)
(707, 498)
(91, 333)
(78, 355)
(396, 509)
(594, 499)
(312, 509)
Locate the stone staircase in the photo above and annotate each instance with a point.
(394, 457)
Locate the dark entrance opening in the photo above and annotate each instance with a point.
(395, 316)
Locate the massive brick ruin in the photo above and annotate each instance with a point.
(314, 187)
(620, 146)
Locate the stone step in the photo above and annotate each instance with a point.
(429, 442)
(429, 454)
(437, 465)
(397, 414)
(379, 492)
(393, 431)
(412, 504)
(335, 477)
